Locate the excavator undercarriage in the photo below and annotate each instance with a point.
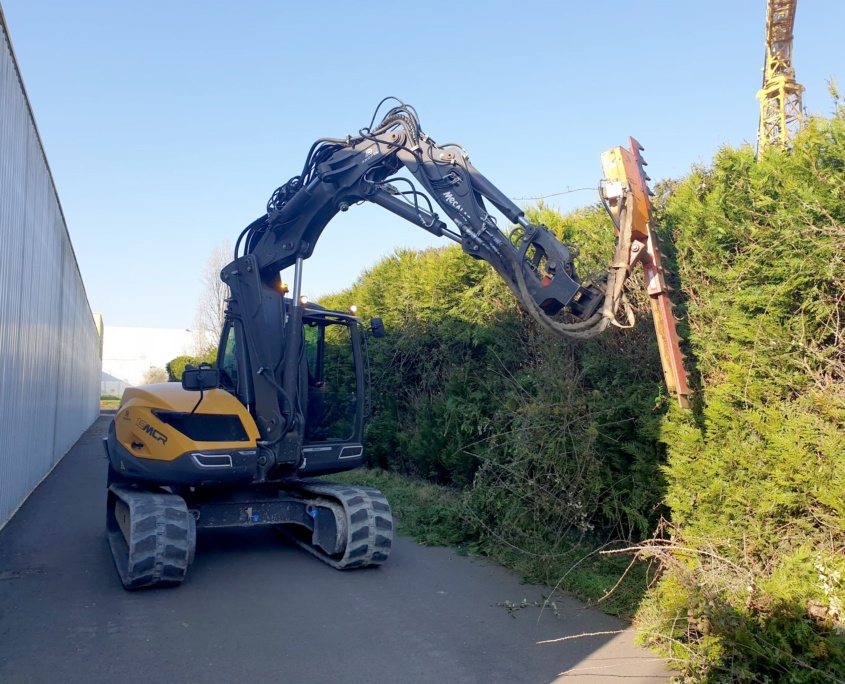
(152, 532)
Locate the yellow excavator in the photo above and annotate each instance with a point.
(239, 444)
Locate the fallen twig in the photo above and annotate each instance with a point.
(579, 636)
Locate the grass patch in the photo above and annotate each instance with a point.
(431, 514)
(109, 401)
(438, 516)
(605, 582)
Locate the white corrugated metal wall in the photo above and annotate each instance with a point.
(49, 347)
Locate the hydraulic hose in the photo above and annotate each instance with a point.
(614, 296)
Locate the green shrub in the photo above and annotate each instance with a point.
(469, 393)
(562, 449)
(176, 367)
(554, 444)
(756, 474)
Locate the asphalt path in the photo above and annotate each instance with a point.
(256, 609)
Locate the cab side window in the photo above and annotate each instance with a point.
(229, 359)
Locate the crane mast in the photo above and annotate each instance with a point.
(781, 111)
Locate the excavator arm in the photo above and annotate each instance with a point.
(339, 173)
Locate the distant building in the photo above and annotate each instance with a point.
(130, 352)
(98, 321)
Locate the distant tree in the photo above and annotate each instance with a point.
(211, 308)
(153, 375)
(176, 367)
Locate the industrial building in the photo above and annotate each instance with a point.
(49, 343)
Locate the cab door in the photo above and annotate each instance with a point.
(233, 365)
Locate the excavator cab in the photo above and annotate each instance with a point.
(332, 392)
(333, 389)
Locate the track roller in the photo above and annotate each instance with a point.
(152, 536)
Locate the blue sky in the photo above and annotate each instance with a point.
(168, 124)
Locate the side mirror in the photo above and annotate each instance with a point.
(377, 328)
(199, 379)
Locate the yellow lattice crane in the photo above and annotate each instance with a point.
(781, 112)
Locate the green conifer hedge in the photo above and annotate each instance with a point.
(561, 449)
(756, 474)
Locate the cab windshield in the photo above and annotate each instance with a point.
(332, 394)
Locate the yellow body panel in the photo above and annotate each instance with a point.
(620, 166)
(136, 424)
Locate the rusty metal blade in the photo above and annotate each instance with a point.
(626, 185)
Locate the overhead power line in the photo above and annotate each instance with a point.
(554, 194)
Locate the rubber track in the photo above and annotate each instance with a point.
(162, 538)
(369, 524)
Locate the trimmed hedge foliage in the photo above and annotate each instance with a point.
(561, 447)
(756, 475)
